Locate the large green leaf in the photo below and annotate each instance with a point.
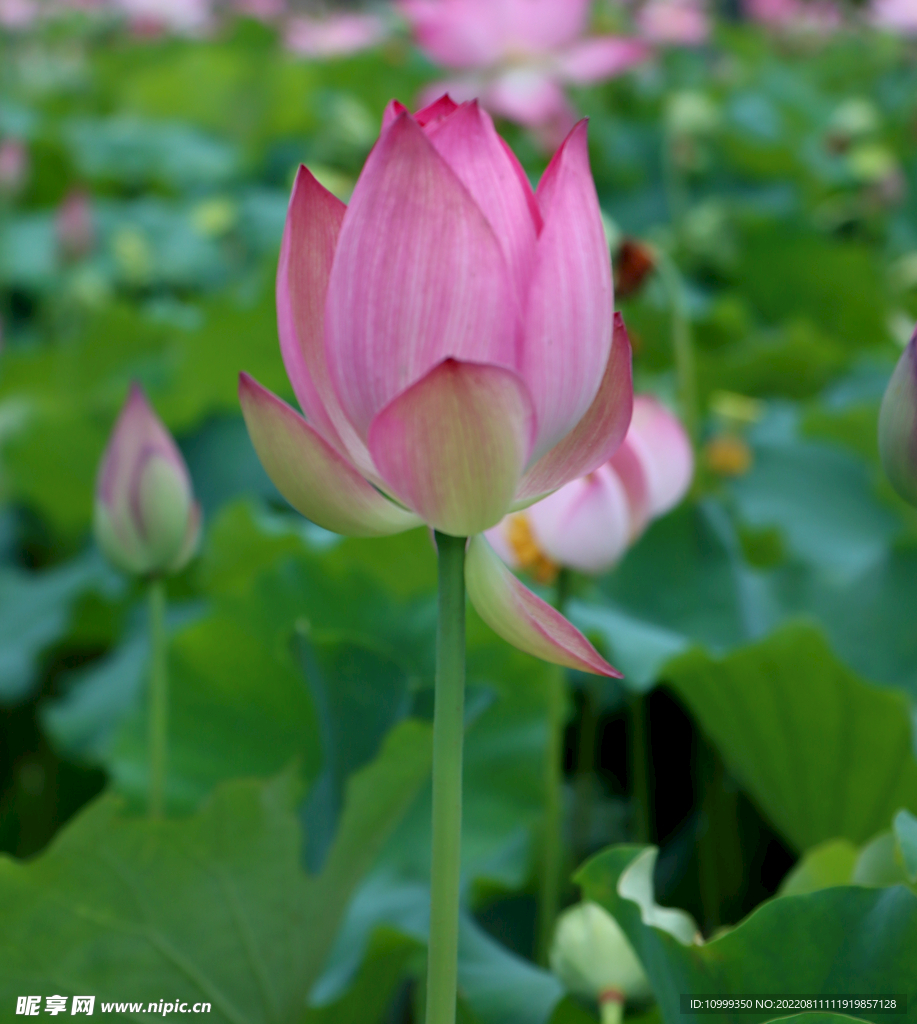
(214, 907)
(823, 754)
(840, 941)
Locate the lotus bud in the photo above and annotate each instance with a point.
(592, 957)
(74, 225)
(146, 520)
(14, 166)
(898, 425)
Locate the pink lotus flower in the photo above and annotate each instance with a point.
(74, 224)
(815, 16)
(517, 54)
(589, 523)
(335, 35)
(674, 22)
(450, 339)
(894, 15)
(146, 520)
(153, 16)
(14, 165)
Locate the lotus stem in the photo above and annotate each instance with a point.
(159, 699)
(448, 735)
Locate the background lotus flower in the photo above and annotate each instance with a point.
(518, 54)
(674, 22)
(334, 35)
(593, 957)
(146, 520)
(449, 336)
(589, 523)
(894, 15)
(74, 224)
(816, 16)
(898, 425)
(14, 165)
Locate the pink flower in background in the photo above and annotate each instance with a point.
(673, 22)
(518, 54)
(334, 35)
(817, 16)
(17, 13)
(894, 15)
(14, 165)
(152, 16)
(450, 339)
(589, 524)
(74, 224)
(146, 520)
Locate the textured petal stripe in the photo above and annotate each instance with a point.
(309, 237)
(586, 525)
(522, 619)
(597, 435)
(418, 276)
(468, 142)
(452, 446)
(310, 474)
(568, 322)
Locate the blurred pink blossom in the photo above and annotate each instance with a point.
(516, 55)
(816, 16)
(74, 224)
(894, 15)
(14, 165)
(152, 16)
(334, 35)
(589, 523)
(674, 22)
(17, 13)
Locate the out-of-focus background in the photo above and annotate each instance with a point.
(757, 166)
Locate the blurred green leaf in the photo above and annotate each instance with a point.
(822, 753)
(844, 940)
(214, 907)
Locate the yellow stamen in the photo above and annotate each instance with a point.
(528, 554)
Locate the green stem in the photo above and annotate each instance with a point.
(552, 839)
(448, 734)
(640, 768)
(612, 1011)
(159, 698)
(583, 783)
(682, 344)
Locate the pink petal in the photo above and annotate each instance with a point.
(498, 538)
(469, 144)
(453, 445)
(310, 235)
(528, 95)
(522, 619)
(392, 109)
(600, 58)
(418, 276)
(315, 479)
(457, 33)
(586, 525)
(629, 468)
(568, 325)
(664, 450)
(597, 435)
(541, 26)
(436, 111)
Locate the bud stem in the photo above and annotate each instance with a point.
(612, 1008)
(552, 846)
(448, 736)
(159, 698)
